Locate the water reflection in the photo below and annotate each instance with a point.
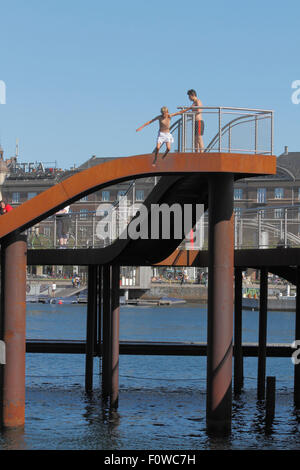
(102, 421)
(12, 439)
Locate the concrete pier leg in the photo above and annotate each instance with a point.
(262, 339)
(297, 338)
(115, 325)
(90, 327)
(220, 304)
(106, 334)
(238, 351)
(13, 330)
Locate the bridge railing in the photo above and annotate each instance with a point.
(268, 227)
(232, 130)
(86, 229)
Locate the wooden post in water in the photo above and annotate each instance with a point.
(238, 351)
(262, 339)
(99, 324)
(115, 322)
(297, 338)
(106, 343)
(90, 327)
(270, 400)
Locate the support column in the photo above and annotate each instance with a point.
(238, 350)
(106, 344)
(262, 339)
(297, 338)
(220, 304)
(99, 323)
(13, 330)
(115, 326)
(90, 327)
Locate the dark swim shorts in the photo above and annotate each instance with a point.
(199, 128)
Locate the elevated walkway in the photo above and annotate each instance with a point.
(186, 177)
(125, 169)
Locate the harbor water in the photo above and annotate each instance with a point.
(162, 398)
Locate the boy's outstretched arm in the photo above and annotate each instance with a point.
(181, 112)
(146, 123)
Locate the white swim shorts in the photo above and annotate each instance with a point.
(164, 137)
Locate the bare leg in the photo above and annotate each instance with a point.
(201, 145)
(156, 153)
(168, 145)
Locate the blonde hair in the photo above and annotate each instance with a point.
(164, 109)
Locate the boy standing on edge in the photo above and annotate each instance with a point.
(164, 135)
(199, 123)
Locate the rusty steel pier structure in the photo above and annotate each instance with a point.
(185, 177)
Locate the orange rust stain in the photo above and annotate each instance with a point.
(180, 258)
(13, 414)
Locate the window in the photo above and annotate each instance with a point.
(278, 213)
(15, 198)
(238, 193)
(84, 199)
(105, 195)
(237, 211)
(278, 193)
(83, 213)
(30, 195)
(261, 195)
(47, 231)
(139, 195)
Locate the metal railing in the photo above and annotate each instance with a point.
(223, 133)
(268, 227)
(90, 229)
(229, 130)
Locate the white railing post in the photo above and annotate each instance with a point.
(220, 130)
(285, 228)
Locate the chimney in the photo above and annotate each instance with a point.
(286, 150)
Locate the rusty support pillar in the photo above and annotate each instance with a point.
(238, 351)
(220, 304)
(297, 338)
(262, 334)
(90, 327)
(106, 334)
(115, 325)
(13, 330)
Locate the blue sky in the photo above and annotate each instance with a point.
(82, 75)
